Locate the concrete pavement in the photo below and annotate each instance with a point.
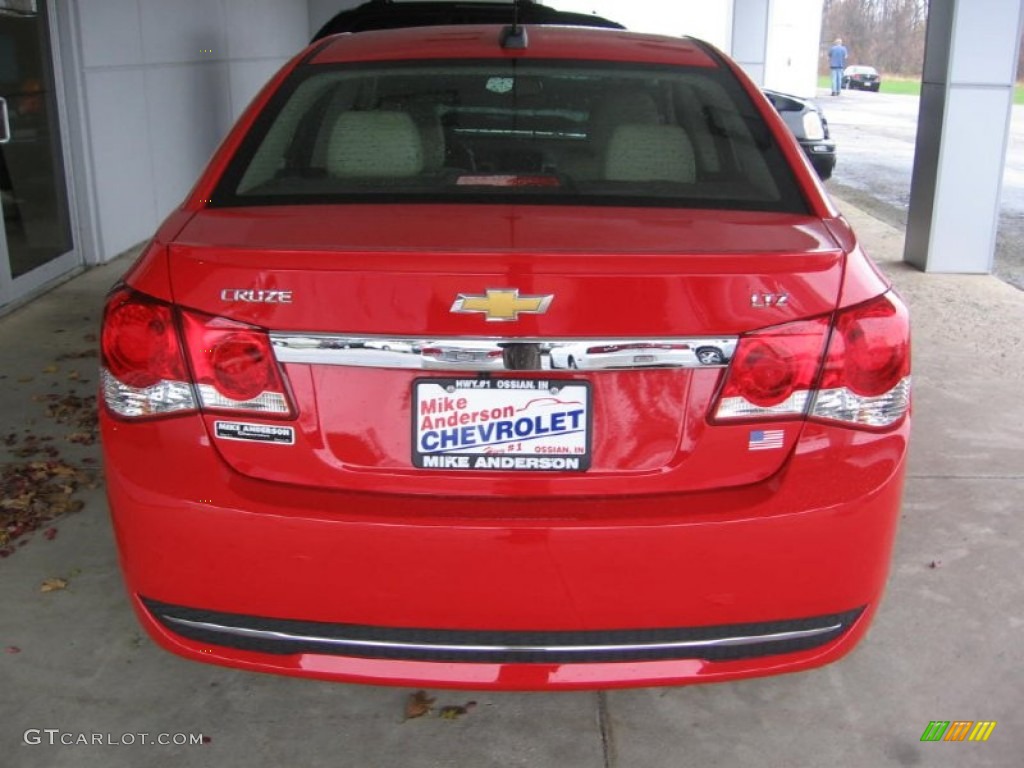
(947, 644)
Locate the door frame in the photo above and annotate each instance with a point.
(16, 291)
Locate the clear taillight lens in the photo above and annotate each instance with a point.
(143, 370)
(234, 366)
(866, 379)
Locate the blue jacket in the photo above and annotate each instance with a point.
(837, 56)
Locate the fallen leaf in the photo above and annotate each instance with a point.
(417, 705)
(54, 584)
(454, 711)
(50, 534)
(77, 355)
(25, 379)
(12, 649)
(51, 368)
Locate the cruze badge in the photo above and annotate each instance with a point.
(502, 304)
(252, 296)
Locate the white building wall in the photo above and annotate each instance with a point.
(320, 11)
(710, 20)
(791, 60)
(162, 81)
(776, 41)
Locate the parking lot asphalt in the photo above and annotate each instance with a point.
(876, 135)
(947, 644)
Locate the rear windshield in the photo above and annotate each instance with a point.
(537, 132)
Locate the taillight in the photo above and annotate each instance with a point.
(773, 371)
(234, 367)
(143, 370)
(866, 379)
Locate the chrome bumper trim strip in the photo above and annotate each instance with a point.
(742, 640)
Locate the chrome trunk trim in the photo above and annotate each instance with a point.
(497, 354)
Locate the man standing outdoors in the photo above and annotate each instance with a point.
(837, 63)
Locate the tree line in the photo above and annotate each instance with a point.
(885, 34)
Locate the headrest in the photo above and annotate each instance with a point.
(375, 144)
(640, 152)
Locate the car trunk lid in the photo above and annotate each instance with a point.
(636, 283)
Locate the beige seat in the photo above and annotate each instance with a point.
(614, 109)
(639, 152)
(375, 145)
(621, 108)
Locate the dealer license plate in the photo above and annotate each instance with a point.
(501, 424)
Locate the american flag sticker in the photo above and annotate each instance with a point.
(765, 439)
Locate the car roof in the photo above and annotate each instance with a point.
(482, 42)
(388, 14)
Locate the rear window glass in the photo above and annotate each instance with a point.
(556, 132)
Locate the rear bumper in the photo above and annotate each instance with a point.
(812, 542)
(822, 155)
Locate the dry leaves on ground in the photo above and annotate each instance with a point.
(78, 355)
(418, 704)
(53, 585)
(76, 411)
(34, 493)
(455, 711)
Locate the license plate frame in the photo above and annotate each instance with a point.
(502, 424)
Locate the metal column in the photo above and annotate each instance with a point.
(963, 128)
(750, 36)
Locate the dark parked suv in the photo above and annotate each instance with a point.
(807, 122)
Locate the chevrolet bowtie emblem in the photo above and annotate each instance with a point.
(503, 304)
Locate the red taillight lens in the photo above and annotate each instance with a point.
(234, 366)
(241, 369)
(869, 353)
(143, 370)
(764, 373)
(139, 342)
(772, 372)
(866, 380)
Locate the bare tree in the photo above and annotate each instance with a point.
(886, 34)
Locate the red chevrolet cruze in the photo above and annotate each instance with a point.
(526, 358)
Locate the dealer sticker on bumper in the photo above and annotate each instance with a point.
(256, 433)
(501, 424)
